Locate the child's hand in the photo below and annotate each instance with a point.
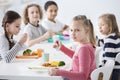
(48, 34)
(57, 44)
(23, 39)
(52, 71)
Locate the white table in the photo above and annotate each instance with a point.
(16, 70)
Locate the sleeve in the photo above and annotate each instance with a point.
(7, 56)
(110, 49)
(28, 30)
(61, 24)
(67, 51)
(45, 25)
(84, 67)
(1, 46)
(43, 29)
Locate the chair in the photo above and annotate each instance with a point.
(117, 58)
(103, 73)
(98, 56)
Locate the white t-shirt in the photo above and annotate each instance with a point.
(53, 26)
(34, 32)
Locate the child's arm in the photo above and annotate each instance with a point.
(31, 42)
(67, 51)
(84, 68)
(65, 27)
(8, 55)
(60, 46)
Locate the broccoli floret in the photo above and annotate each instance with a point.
(61, 63)
(27, 52)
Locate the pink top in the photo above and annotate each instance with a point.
(83, 62)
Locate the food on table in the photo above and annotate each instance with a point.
(46, 64)
(27, 52)
(53, 64)
(38, 52)
(34, 53)
(61, 63)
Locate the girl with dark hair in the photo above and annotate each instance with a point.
(8, 47)
(51, 23)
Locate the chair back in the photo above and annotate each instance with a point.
(117, 58)
(103, 73)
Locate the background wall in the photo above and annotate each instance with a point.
(69, 8)
(91, 8)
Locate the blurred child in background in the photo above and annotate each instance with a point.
(51, 23)
(108, 26)
(36, 33)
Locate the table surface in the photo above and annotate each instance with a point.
(17, 69)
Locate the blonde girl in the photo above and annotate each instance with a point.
(108, 26)
(83, 59)
(8, 47)
(36, 33)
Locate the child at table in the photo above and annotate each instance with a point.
(8, 47)
(36, 33)
(83, 59)
(51, 23)
(108, 26)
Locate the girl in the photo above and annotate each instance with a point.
(8, 48)
(36, 33)
(83, 59)
(50, 23)
(108, 27)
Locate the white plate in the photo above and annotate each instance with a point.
(38, 68)
(42, 68)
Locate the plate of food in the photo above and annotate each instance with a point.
(29, 54)
(45, 66)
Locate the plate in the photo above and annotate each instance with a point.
(42, 68)
(38, 68)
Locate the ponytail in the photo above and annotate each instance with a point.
(91, 34)
(11, 43)
(88, 24)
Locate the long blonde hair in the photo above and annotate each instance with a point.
(87, 24)
(110, 20)
(25, 13)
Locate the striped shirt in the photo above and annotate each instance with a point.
(6, 54)
(111, 48)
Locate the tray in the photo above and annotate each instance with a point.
(27, 57)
